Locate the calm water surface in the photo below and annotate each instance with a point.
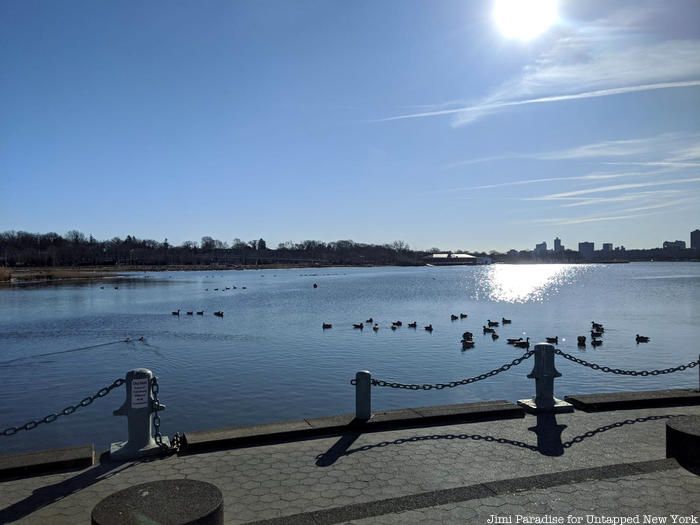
(269, 360)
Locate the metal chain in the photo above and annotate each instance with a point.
(452, 384)
(31, 425)
(619, 371)
(156, 421)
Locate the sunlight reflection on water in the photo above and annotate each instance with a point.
(525, 282)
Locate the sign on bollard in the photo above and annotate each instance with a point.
(544, 374)
(138, 409)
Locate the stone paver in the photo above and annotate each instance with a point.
(663, 494)
(293, 478)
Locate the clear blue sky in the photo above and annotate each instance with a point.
(372, 121)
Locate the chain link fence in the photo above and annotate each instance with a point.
(32, 424)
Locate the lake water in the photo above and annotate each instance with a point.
(269, 360)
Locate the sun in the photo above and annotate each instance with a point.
(524, 19)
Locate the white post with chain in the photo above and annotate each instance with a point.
(139, 407)
(544, 374)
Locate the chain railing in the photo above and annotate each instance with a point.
(620, 371)
(364, 382)
(452, 384)
(31, 425)
(156, 422)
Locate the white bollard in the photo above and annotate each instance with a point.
(363, 395)
(544, 374)
(138, 407)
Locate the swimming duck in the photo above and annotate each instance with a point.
(453, 317)
(491, 323)
(505, 321)
(326, 326)
(467, 343)
(523, 344)
(513, 341)
(581, 340)
(219, 313)
(176, 312)
(462, 316)
(553, 340)
(596, 342)
(201, 312)
(641, 339)
(488, 330)
(369, 321)
(429, 328)
(494, 336)
(414, 324)
(375, 328)
(359, 326)
(467, 336)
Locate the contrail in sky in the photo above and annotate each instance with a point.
(542, 100)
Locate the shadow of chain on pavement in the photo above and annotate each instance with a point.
(547, 429)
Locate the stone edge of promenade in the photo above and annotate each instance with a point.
(13, 466)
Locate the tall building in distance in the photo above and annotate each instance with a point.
(541, 248)
(674, 245)
(557, 245)
(695, 240)
(585, 249)
(607, 247)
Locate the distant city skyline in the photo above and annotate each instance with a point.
(443, 124)
(610, 246)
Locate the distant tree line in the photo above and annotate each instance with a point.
(19, 248)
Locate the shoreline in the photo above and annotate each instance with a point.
(27, 276)
(68, 274)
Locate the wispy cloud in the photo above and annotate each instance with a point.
(615, 187)
(608, 149)
(623, 214)
(595, 176)
(471, 113)
(564, 221)
(669, 150)
(628, 197)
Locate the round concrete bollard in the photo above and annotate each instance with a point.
(683, 439)
(171, 502)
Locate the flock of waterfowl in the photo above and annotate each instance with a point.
(375, 326)
(218, 313)
(597, 331)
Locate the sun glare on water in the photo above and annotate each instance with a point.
(520, 283)
(524, 19)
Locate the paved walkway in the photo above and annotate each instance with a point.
(604, 465)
